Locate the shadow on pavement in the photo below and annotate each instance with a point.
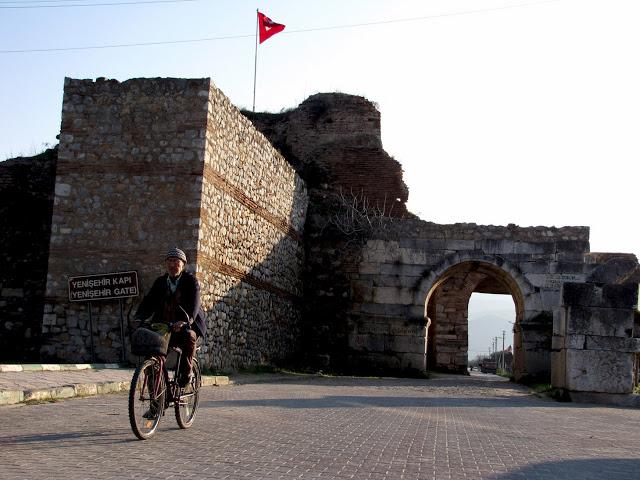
(385, 402)
(591, 469)
(109, 437)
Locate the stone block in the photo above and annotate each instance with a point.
(86, 389)
(558, 369)
(12, 292)
(361, 291)
(537, 266)
(565, 267)
(406, 344)
(534, 248)
(383, 309)
(494, 246)
(63, 189)
(550, 299)
(576, 342)
(391, 295)
(412, 330)
(378, 251)
(401, 269)
(444, 359)
(599, 371)
(557, 342)
(376, 328)
(367, 342)
(11, 397)
(412, 257)
(572, 246)
(605, 322)
(430, 244)
(413, 361)
(616, 344)
(606, 296)
(369, 268)
(459, 245)
(559, 322)
(538, 362)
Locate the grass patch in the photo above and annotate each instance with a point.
(547, 390)
(541, 387)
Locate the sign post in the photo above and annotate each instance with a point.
(104, 286)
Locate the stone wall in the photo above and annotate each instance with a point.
(594, 343)
(250, 250)
(148, 164)
(413, 270)
(26, 201)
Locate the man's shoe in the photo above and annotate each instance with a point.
(152, 413)
(184, 380)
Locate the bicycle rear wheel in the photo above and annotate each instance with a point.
(146, 398)
(187, 405)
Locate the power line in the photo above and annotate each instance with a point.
(41, 1)
(124, 45)
(334, 27)
(141, 2)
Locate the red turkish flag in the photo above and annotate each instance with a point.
(267, 27)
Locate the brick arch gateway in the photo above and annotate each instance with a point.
(446, 308)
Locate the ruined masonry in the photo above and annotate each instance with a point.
(144, 165)
(297, 228)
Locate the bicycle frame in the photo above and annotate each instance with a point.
(171, 382)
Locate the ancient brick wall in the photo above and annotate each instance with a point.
(26, 201)
(334, 142)
(148, 164)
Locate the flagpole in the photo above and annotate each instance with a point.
(255, 64)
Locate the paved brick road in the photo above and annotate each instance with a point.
(459, 428)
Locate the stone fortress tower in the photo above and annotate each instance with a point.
(148, 164)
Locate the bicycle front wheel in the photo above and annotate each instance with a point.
(146, 398)
(187, 405)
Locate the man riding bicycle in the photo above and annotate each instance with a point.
(170, 296)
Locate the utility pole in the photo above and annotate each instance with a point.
(503, 365)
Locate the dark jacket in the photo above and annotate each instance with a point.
(163, 304)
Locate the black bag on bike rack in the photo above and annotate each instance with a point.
(145, 342)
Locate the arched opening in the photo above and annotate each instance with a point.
(447, 306)
(490, 319)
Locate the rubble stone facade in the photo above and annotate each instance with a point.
(148, 164)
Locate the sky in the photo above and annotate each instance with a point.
(499, 111)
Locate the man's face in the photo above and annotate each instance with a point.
(174, 266)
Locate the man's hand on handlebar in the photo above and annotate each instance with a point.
(177, 326)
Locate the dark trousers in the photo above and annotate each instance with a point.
(186, 341)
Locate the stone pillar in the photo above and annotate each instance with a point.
(594, 347)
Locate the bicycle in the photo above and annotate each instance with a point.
(155, 388)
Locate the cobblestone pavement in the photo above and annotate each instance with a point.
(311, 427)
